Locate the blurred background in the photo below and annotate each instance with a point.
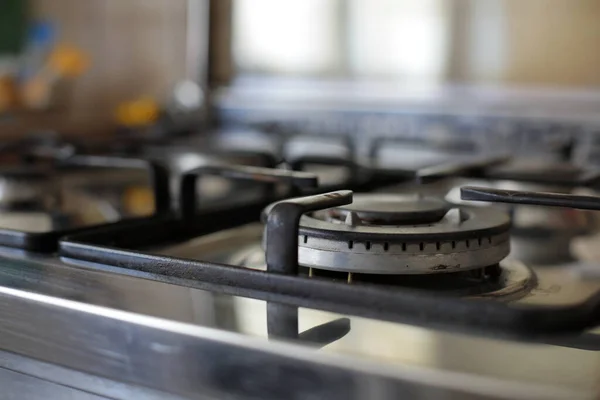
(533, 42)
(90, 67)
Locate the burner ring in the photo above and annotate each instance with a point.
(458, 223)
(403, 258)
(463, 238)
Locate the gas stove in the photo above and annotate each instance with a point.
(337, 277)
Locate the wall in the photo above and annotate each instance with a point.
(137, 47)
(554, 42)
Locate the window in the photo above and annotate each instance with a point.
(488, 41)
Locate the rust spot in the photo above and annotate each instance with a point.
(443, 267)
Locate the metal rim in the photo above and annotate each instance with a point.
(463, 238)
(403, 258)
(475, 222)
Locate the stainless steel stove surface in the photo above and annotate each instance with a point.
(132, 327)
(289, 289)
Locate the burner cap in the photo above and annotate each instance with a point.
(395, 209)
(388, 234)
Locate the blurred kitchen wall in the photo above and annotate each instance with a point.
(516, 42)
(136, 48)
(139, 47)
(553, 42)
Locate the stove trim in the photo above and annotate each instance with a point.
(219, 356)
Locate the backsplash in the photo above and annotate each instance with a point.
(136, 47)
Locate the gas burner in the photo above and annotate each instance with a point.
(400, 235)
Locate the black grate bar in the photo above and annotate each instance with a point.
(283, 219)
(159, 175)
(189, 200)
(532, 198)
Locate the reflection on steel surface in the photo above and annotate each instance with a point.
(135, 348)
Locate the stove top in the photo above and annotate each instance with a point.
(377, 284)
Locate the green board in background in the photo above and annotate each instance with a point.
(13, 26)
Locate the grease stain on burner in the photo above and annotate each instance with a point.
(444, 267)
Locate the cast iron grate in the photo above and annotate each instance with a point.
(123, 246)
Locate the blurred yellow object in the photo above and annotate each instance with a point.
(8, 93)
(68, 61)
(35, 92)
(139, 112)
(139, 200)
(64, 62)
